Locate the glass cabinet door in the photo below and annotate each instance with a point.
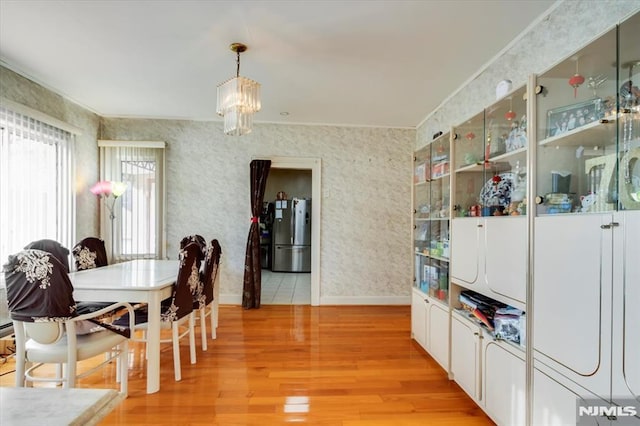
(431, 224)
(469, 156)
(505, 188)
(576, 132)
(440, 185)
(422, 214)
(629, 122)
(491, 160)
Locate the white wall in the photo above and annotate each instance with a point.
(294, 183)
(365, 219)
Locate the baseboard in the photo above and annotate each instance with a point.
(365, 300)
(231, 299)
(236, 299)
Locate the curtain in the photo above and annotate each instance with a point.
(252, 268)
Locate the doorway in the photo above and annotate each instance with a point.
(293, 287)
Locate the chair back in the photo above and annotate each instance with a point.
(186, 285)
(59, 251)
(38, 288)
(211, 264)
(200, 241)
(45, 333)
(90, 253)
(198, 295)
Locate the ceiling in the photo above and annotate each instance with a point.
(366, 63)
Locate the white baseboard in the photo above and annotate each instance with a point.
(231, 299)
(365, 300)
(236, 299)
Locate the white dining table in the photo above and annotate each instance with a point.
(138, 281)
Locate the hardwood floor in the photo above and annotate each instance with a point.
(337, 365)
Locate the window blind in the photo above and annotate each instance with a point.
(134, 228)
(37, 169)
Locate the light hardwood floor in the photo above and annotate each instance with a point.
(337, 365)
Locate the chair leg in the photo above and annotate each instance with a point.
(192, 337)
(123, 368)
(176, 351)
(21, 367)
(21, 356)
(214, 316)
(214, 325)
(202, 312)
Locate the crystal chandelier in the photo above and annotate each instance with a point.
(238, 99)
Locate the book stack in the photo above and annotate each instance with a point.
(481, 307)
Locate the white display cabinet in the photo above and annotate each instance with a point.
(489, 228)
(586, 287)
(431, 207)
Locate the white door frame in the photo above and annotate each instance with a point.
(315, 165)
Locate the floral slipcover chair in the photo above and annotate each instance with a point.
(206, 297)
(39, 290)
(59, 251)
(90, 253)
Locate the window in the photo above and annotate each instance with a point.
(36, 183)
(136, 227)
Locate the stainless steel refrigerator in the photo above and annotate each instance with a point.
(291, 236)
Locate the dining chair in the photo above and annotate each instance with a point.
(177, 311)
(53, 247)
(209, 288)
(198, 295)
(90, 253)
(48, 329)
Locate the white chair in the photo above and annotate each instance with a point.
(47, 328)
(177, 312)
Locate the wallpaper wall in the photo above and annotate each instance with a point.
(567, 28)
(366, 172)
(365, 220)
(24, 91)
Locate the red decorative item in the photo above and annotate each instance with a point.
(470, 135)
(496, 179)
(510, 115)
(576, 81)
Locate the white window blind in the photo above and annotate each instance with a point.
(137, 227)
(37, 169)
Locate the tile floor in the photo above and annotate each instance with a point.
(285, 288)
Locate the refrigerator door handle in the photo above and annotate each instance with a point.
(292, 224)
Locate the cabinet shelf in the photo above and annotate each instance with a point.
(430, 219)
(466, 316)
(436, 178)
(493, 166)
(512, 155)
(593, 134)
(431, 256)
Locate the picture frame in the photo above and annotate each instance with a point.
(570, 117)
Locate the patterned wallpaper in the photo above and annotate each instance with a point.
(566, 29)
(365, 218)
(24, 91)
(365, 224)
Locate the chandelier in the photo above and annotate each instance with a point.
(238, 99)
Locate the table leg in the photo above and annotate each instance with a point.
(153, 344)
